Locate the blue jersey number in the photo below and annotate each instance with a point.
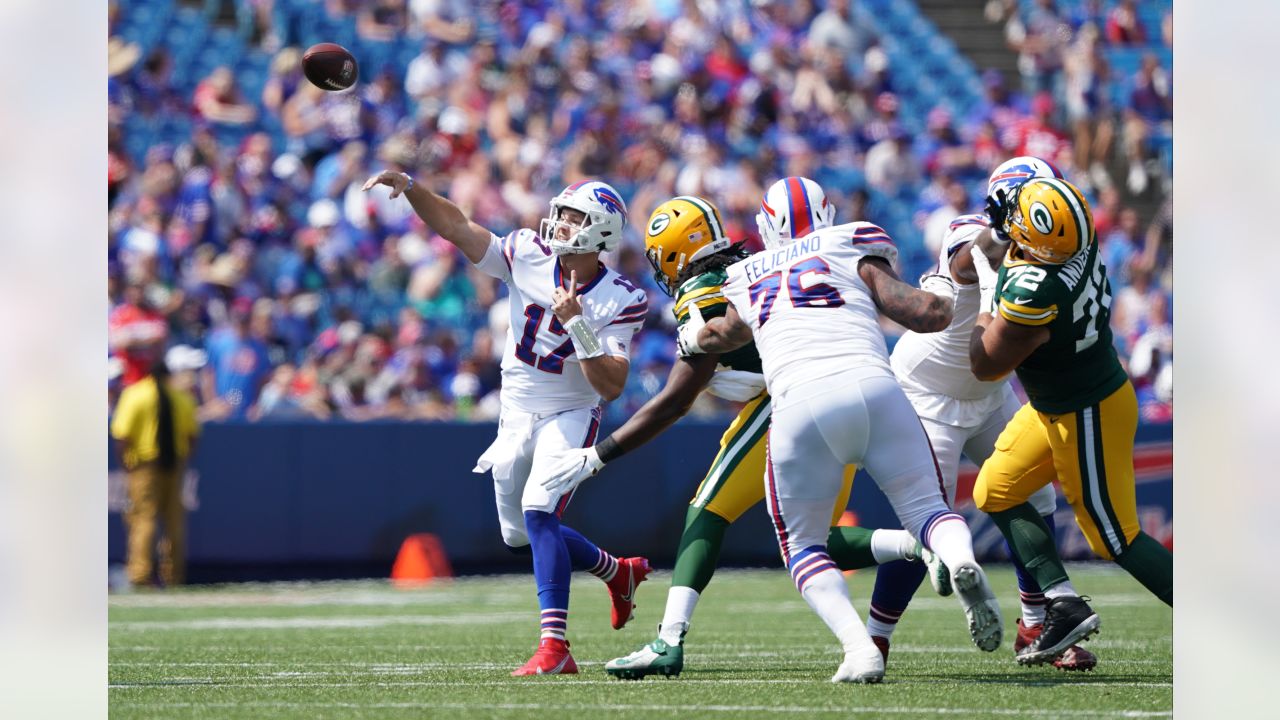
(815, 294)
(553, 363)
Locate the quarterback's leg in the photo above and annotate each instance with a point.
(900, 459)
(802, 478)
(1021, 464)
(1093, 453)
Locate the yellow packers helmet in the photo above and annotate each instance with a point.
(681, 231)
(1049, 220)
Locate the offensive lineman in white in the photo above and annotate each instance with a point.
(572, 322)
(961, 413)
(811, 300)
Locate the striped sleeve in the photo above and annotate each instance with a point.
(635, 312)
(1026, 313)
(873, 240)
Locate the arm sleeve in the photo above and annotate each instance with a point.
(617, 335)
(1020, 304)
(500, 256)
(872, 240)
(961, 231)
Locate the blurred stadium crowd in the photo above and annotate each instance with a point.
(240, 242)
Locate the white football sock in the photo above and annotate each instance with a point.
(882, 622)
(890, 545)
(1062, 589)
(950, 540)
(828, 595)
(680, 604)
(1033, 605)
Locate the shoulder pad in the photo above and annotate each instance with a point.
(1028, 294)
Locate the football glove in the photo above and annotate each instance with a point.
(571, 468)
(998, 212)
(687, 334)
(940, 285)
(987, 279)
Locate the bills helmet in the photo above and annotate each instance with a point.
(1012, 173)
(601, 228)
(792, 208)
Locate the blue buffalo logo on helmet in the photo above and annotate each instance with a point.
(609, 199)
(604, 215)
(1012, 173)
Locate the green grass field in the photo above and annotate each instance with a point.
(368, 650)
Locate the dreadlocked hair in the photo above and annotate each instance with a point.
(717, 261)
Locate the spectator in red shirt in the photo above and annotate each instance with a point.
(1123, 26)
(136, 333)
(218, 99)
(1036, 136)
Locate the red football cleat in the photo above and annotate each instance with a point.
(1075, 658)
(622, 588)
(551, 658)
(883, 644)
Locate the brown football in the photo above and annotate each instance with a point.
(330, 66)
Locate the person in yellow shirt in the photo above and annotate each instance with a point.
(155, 428)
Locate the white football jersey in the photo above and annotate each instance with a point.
(541, 372)
(938, 363)
(810, 312)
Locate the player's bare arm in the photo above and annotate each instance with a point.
(606, 373)
(724, 334)
(912, 308)
(962, 261)
(442, 216)
(688, 377)
(998, 346)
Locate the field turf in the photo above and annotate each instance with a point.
(369, 650)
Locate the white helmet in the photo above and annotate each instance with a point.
(1012, 173)
(601, 229)
(792, 208)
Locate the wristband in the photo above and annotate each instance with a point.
(609, 450)
(410, 179)
(585, 341)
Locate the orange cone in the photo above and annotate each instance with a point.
(848, 519)
(421, 559)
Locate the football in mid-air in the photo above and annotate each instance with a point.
(330, 66)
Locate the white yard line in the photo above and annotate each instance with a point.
(294, 623)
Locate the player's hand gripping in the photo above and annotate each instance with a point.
(998, 212)
(687, 334)
(987, 278)
(565, 303)
(397, 181)
(571, 468)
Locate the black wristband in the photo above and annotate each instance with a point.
(608, 449)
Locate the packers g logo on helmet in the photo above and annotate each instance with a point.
(681, 231)
(1049, 220)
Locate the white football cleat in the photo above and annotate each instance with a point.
(986, 626)
(861, 666)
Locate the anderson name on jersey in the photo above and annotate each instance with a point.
(1077, 367)
(829, 321)
(540, 371)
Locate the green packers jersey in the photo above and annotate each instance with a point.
(1078, 366)
(704, 291)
